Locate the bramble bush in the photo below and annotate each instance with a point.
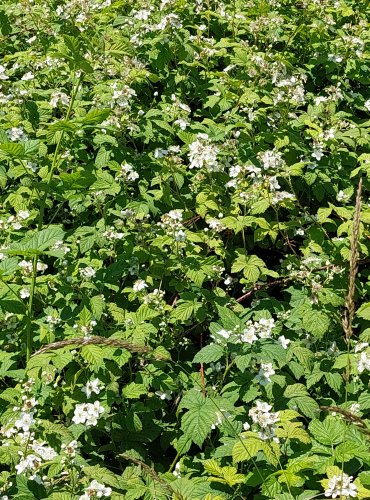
(184, 290)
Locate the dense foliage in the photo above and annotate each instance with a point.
(184, 290)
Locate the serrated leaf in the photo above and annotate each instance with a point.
(295, 390)
(197, 422)
(93, 354)
(246, 449)
(209, 354)
(364, 311)
(95, 116)
(35, 244)
(329, 432)
(133, 390)
(8, 266)
(316, 322)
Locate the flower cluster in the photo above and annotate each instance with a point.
(87, 413)
(257, 329)
(96, 489)
(27, 267)
(271, 160)
(172, 223)
(203, 154)
(127, 173)
(264, 420)
(341, 486)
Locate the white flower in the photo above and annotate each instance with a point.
(87, 272)
(142, 15)
(274, 183)
(367, 104)
(24, 293)
(28, 404)
(45, 452)
(25, 421)
(216, 225)
(335, 58)
(3, 76)
(57, 97)
(271, 159)
(235, 171)
(171, 20)
(354, 408)
(26, 266)
(266, 371)
(112, 235)
(203, 154)
(32, 166)
(128, 173)
(224, 333)
(258, 329)
(249, 335)
(364, 362)
(180, 235)
(317, 152)
(341, 196)
(181, 123)
(139, 286)
(339, 486)
(96, 489)
(28, 76)
(123, 96)
(261, 415)
(175, 215)
(87, 413)
(71, 448)
(41, 266)
(360, 346)
(92, 386)
(31, 462)
(283, 341)
(160, 152)
(16, 134)
(164, 395)
(23, 214)
(176, 471)
(220, 417)
(320, 99)
(281, 196)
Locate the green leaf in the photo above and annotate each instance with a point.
(251, 265)
(185, 309)
(38, 242)
(95, 116)
(105, 476)
(329, 432)
(246, 449)
(133, 390)
(316, 322)
(364, 311)
(8, 266)
(12, 150)
(209, 354)
(93, 354)
(295, 390)
(5, 26)
(306, 405)
(197, 422)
